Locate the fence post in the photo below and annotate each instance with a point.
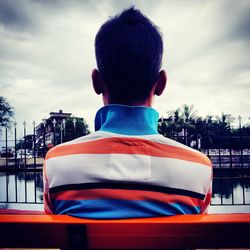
(15, 124)
(25, 160)
(242, 163)
(6, 146)
(6, 164)
(231, 160)
(34, 155)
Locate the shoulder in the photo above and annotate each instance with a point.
(177, 150)
(72, 146)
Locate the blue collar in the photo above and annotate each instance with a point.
(127, 120)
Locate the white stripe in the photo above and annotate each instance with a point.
(86, 168)
(153, 138)
(91, 137)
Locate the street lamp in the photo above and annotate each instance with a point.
(61, 129)
(24, 134)
(24, 128)
(15, 125)
(64, 124)
(44, 131)
(54, 122)
(44, 123)
(207, 137)
(54, 134)
(34, 139)
(74, 123)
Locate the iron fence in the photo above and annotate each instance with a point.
(21, 162)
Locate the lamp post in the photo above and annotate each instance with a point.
(172, 118)
(25, 160)
(15, 124)
(54, 131)
(34, 141)
(74, 123)
(207, 137)
(64, 126)
(240, 130)
(61, 129)
(24, 135)
(44, 132)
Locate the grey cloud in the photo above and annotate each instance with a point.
(231, 22)
(236, 19)
(62, 5)
(206, 50)
(15, 15)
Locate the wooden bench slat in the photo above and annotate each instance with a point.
(183, 231)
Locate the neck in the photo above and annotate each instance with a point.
(107, 100)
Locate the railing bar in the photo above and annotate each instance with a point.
(25, 167)
(34, 153)
(20, 170)
(242, 168)
(15, 166)
(6, 158)
(207, 142)
(237, 170)
(231, 163)
(22, 202)
(231, 175)
(243, 185)
(221, 187)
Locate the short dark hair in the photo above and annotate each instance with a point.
(129, 51)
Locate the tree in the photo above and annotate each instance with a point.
(74, 127)
(6, 113)
(188, 112)
(225, 120)
(175, 117)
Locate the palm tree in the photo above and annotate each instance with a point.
(188, 112)
(189, 116)
(224, 121)
(176, 119)
(225, 118)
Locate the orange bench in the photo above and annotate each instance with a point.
(181, 231)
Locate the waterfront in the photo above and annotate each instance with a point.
(24, 190)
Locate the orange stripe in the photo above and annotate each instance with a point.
(44, 171)
(121, 194)
(119, 145)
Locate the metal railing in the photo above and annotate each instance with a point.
(21, 166)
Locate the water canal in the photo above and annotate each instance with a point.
(24, 190)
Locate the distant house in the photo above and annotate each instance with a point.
(46, 131)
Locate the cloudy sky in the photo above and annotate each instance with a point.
(47, 55)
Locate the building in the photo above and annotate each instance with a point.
(47, 131)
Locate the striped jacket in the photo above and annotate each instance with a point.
(126, 170)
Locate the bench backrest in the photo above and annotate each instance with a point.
(182, 231)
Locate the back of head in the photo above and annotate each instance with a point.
(129, 50)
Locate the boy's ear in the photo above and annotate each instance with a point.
(161, 83)
(97, 82)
